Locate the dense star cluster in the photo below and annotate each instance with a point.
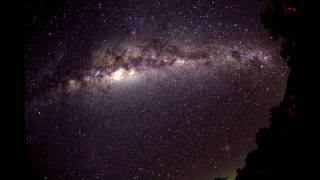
(140, 89)
(111, 64)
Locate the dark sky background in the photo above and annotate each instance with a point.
(143, 89)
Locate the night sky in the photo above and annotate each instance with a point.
(143, 89)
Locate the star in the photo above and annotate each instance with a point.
(136, 89)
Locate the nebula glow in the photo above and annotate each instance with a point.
(109, 67)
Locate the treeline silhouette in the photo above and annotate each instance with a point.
(281, 147)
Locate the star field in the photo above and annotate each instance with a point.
(135, 89)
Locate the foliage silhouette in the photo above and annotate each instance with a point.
(280, 147)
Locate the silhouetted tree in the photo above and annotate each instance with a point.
(279, 146)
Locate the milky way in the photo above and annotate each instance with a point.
(126, 60)
(148, 89)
